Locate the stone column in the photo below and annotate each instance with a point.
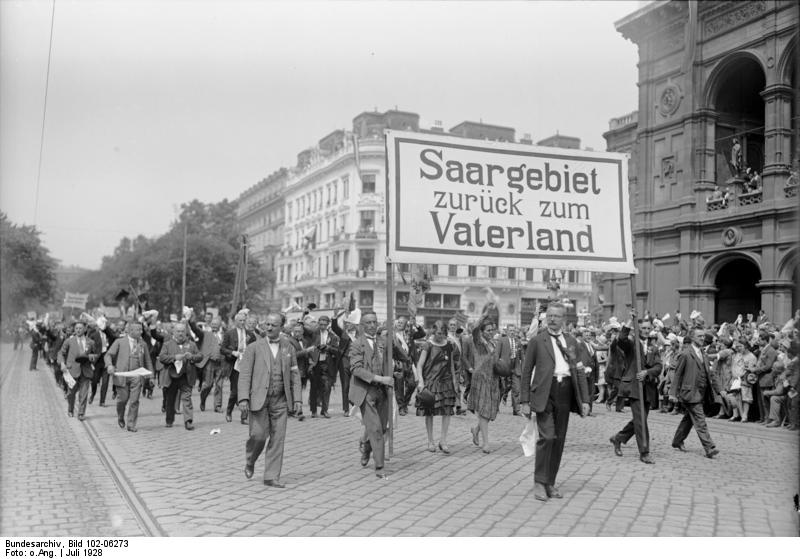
(701, 298)
(777, 138)
(705, 156)
(776, 299)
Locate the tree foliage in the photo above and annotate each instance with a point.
(153, 266)
(27, 271)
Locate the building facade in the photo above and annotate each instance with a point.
(713, 159)
(260, 213)
(334, 241)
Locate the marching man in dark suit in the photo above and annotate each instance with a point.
(694, 383)
(368, 390)
(77, 357)
(179, 355)
(128, 353)
(553, 384)
(209, 368)
(269, 382)
(634, 380)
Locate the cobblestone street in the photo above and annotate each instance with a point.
(61, 477)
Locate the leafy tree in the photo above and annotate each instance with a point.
(27, 271)
(154, 266)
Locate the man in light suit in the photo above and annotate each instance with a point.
(694, 383)
(368, 390)
(552, 386)
(77, 356)
(209, 368)
(128, 353)
(179, 355)
(232, 349)
(269, 382)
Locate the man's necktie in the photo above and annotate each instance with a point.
(560, 346)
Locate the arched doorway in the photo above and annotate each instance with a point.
(740, 121)
(736, 290)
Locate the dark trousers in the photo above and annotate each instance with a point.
(208, 375)
(268, 422)
(320, 388)
(793, 405)
(404, 387)
(99, 372)
(81, 388)
(344, 380)
(233, 398)
(512, 384)
(182, 386)
(762, 402)
(591, 388)
(693, 416)
(636, 426)
(375, 417)
(34, 358)
(104, 386)
(552, 425)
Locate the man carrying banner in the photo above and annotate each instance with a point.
(368, 390)
(634, 380)
(553, 384)
(128, 353)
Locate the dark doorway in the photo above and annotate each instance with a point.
(736, 291)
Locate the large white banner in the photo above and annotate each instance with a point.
(459, 201)
(75, 300)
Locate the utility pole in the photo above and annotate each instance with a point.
(183, 280)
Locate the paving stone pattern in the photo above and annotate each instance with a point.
(192, 482)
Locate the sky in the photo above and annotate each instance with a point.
(152, 104)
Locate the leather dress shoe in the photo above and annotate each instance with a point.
(102, 404)
(274, 483)
(81, 417)
(647, 459)
(313, 415)
(132, 429)
(679, 446)
(770, 424)
(712, 453)
(540, 492)
(617, 445)
(325, 415)
(189, 426)
(243, 421)
(379, 473)
(71, 414)
(248, 472)
(121, 423)
(228, 417)
(202, 406)
(168, 425)
(217, 410)
(366, 449)
(552, 492)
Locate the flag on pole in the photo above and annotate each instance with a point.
(240, 283)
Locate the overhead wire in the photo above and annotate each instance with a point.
(44, 115)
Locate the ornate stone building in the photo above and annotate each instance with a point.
(260, 213)
(712, 147)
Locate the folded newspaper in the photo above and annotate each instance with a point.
(140, 372)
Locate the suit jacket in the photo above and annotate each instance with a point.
(255, 372)
(301, 351)
(71, 351)
(589, 359)
(167, 358)
(332, 344)
(365, 364)
(688, 375)
(343, 363)
(763, 368)
(230, 343)
(208, 343)
(650, 362)
(538, 370)
(119, 355)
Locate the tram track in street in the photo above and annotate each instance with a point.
(144, 518)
